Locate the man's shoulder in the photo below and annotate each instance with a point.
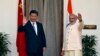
(27, 24)
(39, 23)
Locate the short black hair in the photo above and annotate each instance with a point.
(34, 11)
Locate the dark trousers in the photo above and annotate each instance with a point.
(39, 53)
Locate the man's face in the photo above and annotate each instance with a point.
(72, 18)
(33, 17)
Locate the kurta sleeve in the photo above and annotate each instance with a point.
(81, 25)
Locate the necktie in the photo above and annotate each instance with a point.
(34, 28)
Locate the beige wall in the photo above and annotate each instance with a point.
(8, 20)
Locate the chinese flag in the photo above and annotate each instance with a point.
(20, 42)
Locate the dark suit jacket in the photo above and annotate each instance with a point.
(34, 43)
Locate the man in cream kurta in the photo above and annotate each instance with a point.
(72, 45)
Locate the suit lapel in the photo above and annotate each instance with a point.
(31, 27)
(37, 28)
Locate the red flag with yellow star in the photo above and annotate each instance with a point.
(20, 42)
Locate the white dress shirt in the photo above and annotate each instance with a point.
(34, 24)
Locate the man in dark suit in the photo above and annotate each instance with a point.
(34, 35)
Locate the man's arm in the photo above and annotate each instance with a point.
(43, 36)
(21, 28)
(81, 24)
(79, 17)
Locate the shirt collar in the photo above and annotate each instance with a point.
(32, 22)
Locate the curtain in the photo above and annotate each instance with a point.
(49, 16)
